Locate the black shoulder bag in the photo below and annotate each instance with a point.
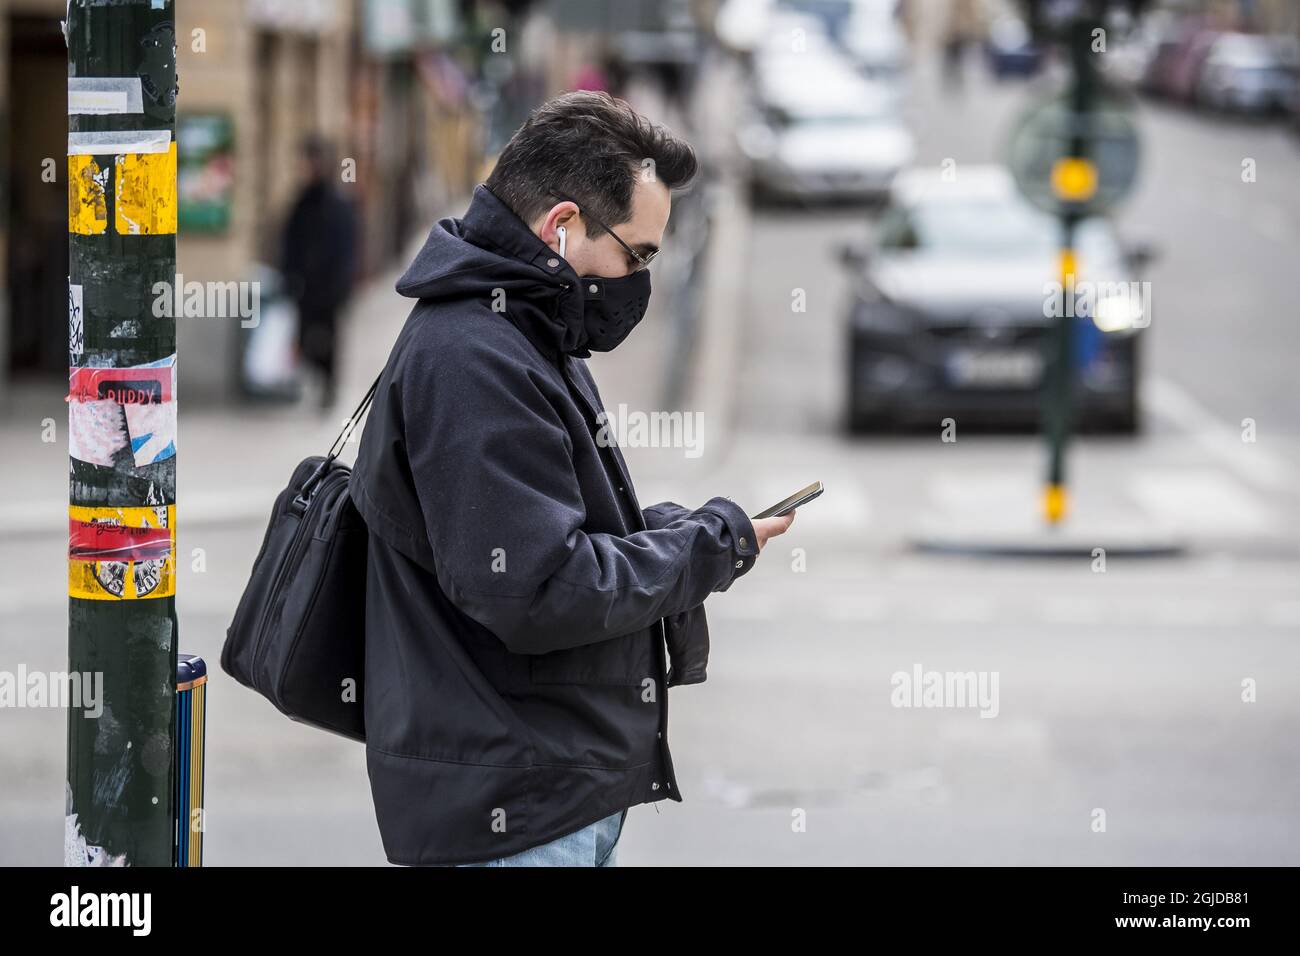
(298, 636)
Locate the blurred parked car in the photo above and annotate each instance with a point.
(830, 14)
(1185, 71)
(1176, 65)
(1249, 73)
(1145, 34)
(818, 129)
(1129, 56)
(741, 25)
(787, 33)
(874, 39)
(1011, 50)
(949, 314)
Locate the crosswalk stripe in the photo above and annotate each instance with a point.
(1198, 501)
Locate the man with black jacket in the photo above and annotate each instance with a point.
(525, 616)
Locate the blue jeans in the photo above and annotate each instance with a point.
(593, 845)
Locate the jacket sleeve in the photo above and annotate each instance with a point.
(663, 514)
(493, 467)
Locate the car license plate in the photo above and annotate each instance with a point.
(975, 368)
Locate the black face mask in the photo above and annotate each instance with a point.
(613, 307)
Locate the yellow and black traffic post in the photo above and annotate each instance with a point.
(1074, 155)
(122, 429)
(1074, 184)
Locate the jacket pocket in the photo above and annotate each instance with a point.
(626, 660)
(688, 646)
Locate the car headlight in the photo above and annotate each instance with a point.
(1118, 313)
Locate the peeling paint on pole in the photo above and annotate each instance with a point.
(122, 426)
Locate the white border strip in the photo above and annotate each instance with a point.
(112, 143)
(100, 95)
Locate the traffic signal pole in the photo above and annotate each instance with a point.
(1074, 180)
(122, 430)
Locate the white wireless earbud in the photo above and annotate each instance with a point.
(563, 234)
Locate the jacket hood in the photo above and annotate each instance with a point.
(491, 248)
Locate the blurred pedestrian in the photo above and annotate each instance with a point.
(964, 29)
(318, 259)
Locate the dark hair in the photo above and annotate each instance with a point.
(590, 147)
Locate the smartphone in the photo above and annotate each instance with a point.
(794, 501)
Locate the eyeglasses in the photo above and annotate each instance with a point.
(642, 260)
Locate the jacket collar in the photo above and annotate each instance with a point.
(551, 314)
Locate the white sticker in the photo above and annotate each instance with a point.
(98, 95)
(110, 143)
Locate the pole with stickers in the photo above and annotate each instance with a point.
(122, 629)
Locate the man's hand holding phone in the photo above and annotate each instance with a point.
(765, 528)
(776, 519)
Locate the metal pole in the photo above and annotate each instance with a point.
(1075, 180)
(122, 429)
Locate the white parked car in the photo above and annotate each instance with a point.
(874, 40)
(819, 129)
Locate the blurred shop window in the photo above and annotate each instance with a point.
(36, 212)
(205, 175)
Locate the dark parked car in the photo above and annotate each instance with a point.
(950, 312)
(1175, 66)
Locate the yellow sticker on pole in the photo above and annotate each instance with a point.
(87, 204)
(1074, 179)
(122, 580)
(121, 554)
(146, 193)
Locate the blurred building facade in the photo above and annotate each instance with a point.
(382, 79)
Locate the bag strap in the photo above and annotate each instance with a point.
(337, 448)
(301, 500)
